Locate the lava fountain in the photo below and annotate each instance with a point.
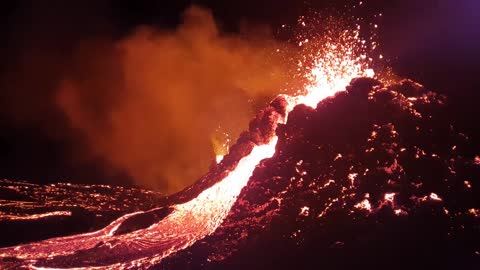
(334, 66)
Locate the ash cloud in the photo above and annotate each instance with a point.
(154, 104)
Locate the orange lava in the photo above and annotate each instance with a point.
(192, 221)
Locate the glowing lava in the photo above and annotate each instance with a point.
(332, 71)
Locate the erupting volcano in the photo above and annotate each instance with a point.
(357, 169)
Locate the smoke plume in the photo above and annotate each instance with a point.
(156, 104)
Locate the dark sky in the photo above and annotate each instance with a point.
(433, 42)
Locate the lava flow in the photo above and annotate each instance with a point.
(306, 185)
(187, 223)
(199, 217)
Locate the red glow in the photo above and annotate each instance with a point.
(193, 220)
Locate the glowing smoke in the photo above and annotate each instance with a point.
(156, 103)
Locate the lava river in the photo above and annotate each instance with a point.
(313, 172)
(187, 223)
(191, 221)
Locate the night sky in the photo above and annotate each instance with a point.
(433, 42)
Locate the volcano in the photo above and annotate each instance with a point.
(376, 176)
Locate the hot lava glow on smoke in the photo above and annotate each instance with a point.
(335, 63)
(330, 64)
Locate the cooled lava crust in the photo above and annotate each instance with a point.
(375, 177)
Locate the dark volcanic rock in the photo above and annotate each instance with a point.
(25, 208)
(375, 177)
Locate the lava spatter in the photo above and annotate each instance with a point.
(301, 205)
(346, 168)
(362, 175)
(192, 220)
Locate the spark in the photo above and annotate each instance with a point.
(467, 184)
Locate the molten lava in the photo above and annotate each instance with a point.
(199, 217)
(352, 171)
